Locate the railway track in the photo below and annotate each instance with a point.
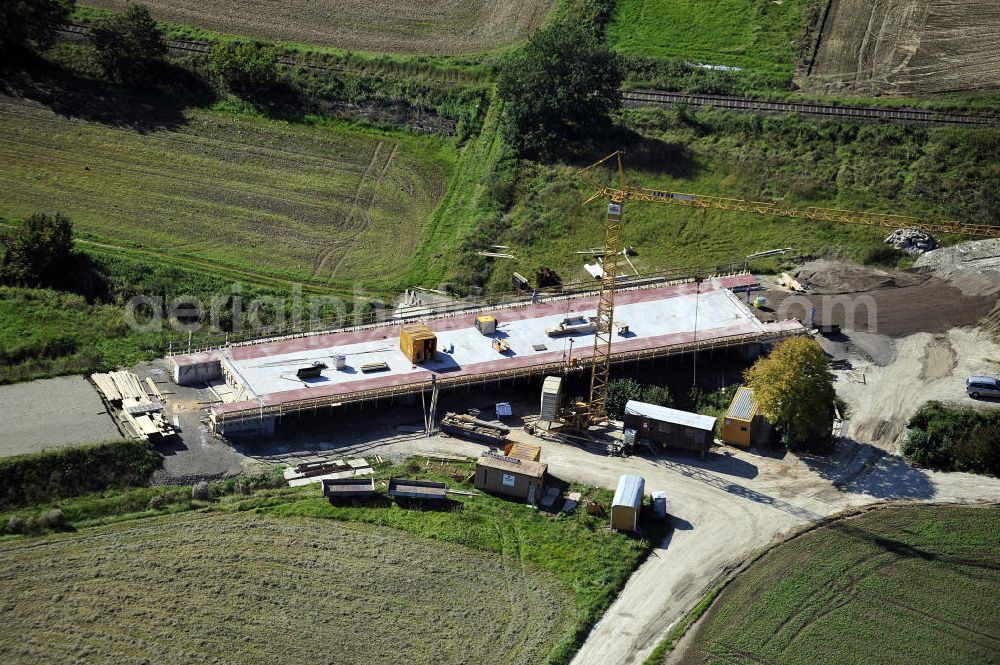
(659, 98)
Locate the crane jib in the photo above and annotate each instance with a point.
(670, 195)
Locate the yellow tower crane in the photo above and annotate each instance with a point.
(595, 410)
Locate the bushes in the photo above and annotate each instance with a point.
(952, 439)
(53, 520)
(31, 23)
(620, 391)
(48, 476)
(244, 66)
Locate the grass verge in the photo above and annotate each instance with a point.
(680, 628)
(736, 33)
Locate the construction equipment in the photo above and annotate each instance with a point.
(501, 345)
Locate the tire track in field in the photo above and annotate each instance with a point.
(195, 142)
(368, 211)
(332, 246)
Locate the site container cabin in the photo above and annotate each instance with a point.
(627, 503)
(743, 424)
(417, 342)
(523, 451)
(670, 428)
(511, 477)
(551, 395)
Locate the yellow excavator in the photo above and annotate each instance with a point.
(594, 411)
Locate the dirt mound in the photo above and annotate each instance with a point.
(888, 302)
(830, 277)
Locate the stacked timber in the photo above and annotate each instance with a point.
(126, 393)
(573, 325)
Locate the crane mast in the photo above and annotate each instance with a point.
(600, 369)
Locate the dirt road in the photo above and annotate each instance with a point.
(880, 399)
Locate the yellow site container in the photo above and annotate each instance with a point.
(486, 324)
(417, 342)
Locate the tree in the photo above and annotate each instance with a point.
(242, 66)
(794, 387)
(37, 252)
(619, 392)
(657, 395)
(562, 84)
(128, 45)
(25, 23)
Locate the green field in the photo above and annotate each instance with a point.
(498, 579)
(256, 590)
(751, 34)
(330, 204)
(896, 585)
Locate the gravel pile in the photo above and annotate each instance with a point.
(911, 241)
(974, 266)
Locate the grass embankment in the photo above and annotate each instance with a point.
(67, 472)
(48, 333)
(736, 33)
(895, 585)
(543, 563)
(923, 171)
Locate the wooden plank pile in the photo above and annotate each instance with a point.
(144, 417)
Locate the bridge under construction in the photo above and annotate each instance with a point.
(266, 379)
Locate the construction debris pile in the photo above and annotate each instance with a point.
(141, 415)
(911, 241)
(319, 470)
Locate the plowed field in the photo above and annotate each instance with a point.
(328, 204)
(404, 26)
(245, 589)
(908, 48)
